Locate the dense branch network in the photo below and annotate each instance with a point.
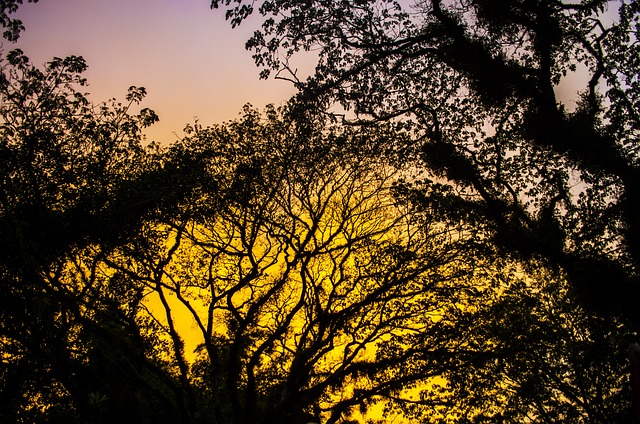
(410, 262)
(479, 82)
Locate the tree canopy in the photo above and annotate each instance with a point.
(12, 26)
(459, 247)
(480, 81)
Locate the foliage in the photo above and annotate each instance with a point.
(533, 355)
(479, 80)
(283, 268)
(322, 281)
(69, 171)
(12, 27)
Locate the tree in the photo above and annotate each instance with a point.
(533, 355)
(324, 272)
(322, 281)
(479, 79)
(529, 351)
(74, 175)
(304, 265)
(76, 182)
(13, 27)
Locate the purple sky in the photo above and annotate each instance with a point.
(189, 59)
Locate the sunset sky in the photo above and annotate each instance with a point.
(187, 57)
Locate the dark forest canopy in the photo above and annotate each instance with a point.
(418, 261)
(324, 275)
(479, 80)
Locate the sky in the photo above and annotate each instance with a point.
(191, 62)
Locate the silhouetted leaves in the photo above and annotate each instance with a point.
(285, 267)
(12, 27)
(479, 82)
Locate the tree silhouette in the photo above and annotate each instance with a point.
(321, 280)
(12, 27)
(287, 268)
(305, 265)
(479, 79)
(73, 175)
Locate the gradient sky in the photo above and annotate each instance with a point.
(187, 57)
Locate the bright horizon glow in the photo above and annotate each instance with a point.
(190, 60)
